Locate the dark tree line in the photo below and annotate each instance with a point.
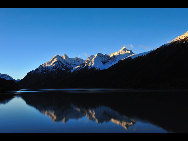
(8, 85)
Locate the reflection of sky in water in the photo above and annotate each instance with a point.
(17, 116)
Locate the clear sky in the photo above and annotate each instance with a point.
(30, 37)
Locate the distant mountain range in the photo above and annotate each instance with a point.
(5, 76)
(99, 61)
(163, 67)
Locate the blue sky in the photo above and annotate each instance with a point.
(30, 37)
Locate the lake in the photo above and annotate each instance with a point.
(93, 111)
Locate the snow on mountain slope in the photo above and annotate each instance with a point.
(183, 37)
(60, 63)
(70, 63)
(122, 53)
(103, 61)
(5, 76)
(98, 61)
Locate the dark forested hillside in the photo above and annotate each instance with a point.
(165, 67)
(8, 85)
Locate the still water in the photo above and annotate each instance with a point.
(91, 111)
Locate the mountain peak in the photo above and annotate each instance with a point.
(183, 37)
(123, 48)
(65, 56)
(104, 61)
(123, 51)
(98, 61)
(56, 58)
(5, 76)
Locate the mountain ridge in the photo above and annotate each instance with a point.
(6, 76)
(183, 37)
(99, 61)
(162, 68)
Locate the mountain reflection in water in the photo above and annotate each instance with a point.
(61, 108)
(167, 110)
(5, 98)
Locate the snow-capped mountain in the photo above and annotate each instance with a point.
(99, 61)
(68, 63)
(103, 61)
(60, 63)
(163, 67)
(183, 37)
(5, 76)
